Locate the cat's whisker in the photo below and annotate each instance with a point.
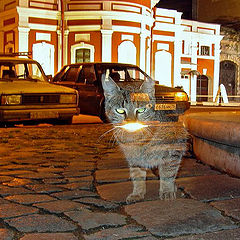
(104, 134)
(113, 139)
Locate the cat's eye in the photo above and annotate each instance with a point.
(120, 110)
(141, 110)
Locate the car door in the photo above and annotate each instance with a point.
(67, 77)
(89, 94)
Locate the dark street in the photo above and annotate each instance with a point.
(67, 182)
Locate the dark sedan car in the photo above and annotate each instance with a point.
(86, 78)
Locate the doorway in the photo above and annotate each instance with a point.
(44, 53)
(228, 75)
(202, 88)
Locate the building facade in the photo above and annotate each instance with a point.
(174, 51)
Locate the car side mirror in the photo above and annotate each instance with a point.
(49, 78)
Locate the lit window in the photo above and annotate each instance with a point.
(82, 55)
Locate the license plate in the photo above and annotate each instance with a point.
(42, 115)
(165, 106)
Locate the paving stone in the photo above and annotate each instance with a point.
(39, 175)
(79, 185)
(230, 207)
(212, 187)
(118, 192)
(16, 172)
(90, 220)
(49, 236)
(125, 232)
(189, 167)
(61, 206)
(81, 165)
(4, 179)
(88, 178)
(15, 182)
(179, 217)
(45, 188)
(55, 181)
(51, 169)
(76, 173)
(222, 235)
(98, 203)
(3, 201)
(6, 234)
(112, 161)
(29, 198)
(117, 175)
(74, 194)
(6, 191)
(9, 210)
(41, 223)
(112, 175)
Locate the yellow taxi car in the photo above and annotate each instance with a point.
(26, 94)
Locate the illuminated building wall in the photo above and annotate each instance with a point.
(172, 50)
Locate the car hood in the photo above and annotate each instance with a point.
(164, 89)
(158, 88)
(20, 87)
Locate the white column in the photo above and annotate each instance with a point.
(216, 70)
(65, 47)
(59, 33)
(143, 51)
(148, 57)
(193, 90)
(177, 62)
(176, 81)
(23, 34)
(106, 45)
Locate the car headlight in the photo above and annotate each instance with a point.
(68, 98)
(11, 99)
(181, 97)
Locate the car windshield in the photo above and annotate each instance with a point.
(10, 71)
(123, 73)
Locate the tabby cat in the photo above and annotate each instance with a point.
(156, 145)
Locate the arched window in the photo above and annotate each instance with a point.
(82, 53)
(163, 66)
(44, 53)
(228, 76)
(127, 52)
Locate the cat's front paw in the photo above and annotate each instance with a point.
(134, 198)
(167, 190)
(167, 195)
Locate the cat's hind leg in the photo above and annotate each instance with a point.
(138, 177)
(168, 172)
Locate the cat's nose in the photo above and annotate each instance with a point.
(128, 120)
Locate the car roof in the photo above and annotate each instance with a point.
(102, 64)
(16, 59)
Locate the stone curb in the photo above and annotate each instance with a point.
(216, 139)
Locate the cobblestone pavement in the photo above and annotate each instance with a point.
(69, 183)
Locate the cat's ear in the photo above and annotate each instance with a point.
(148, 86)
(110, 88)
